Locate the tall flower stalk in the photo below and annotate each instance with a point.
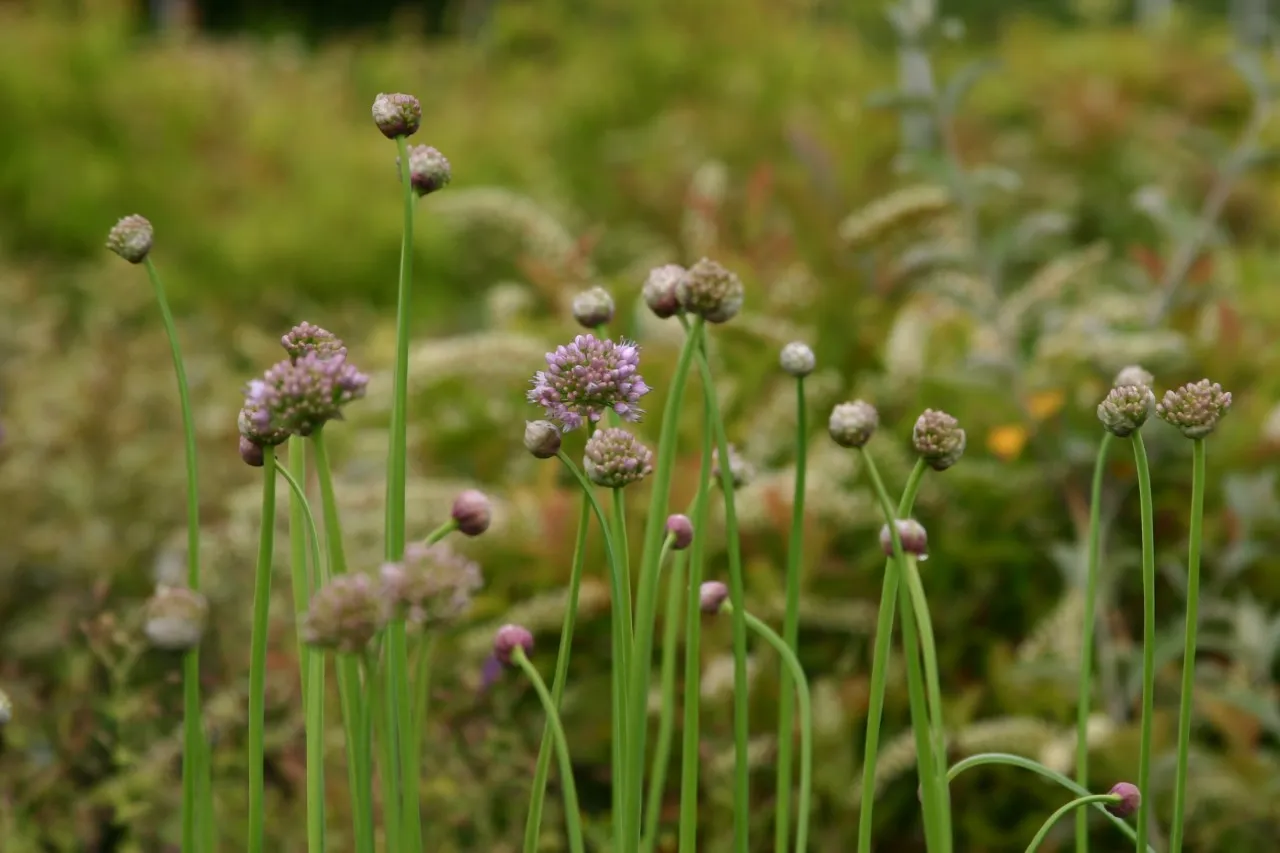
(258, 654)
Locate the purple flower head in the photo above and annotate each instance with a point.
(429, 170)
(345, 614)
(614, 458)
(588, 376)
(131, 238)
(1195, 408)
(397, 115)
(308, 337)
(299, 397)
(432, 586)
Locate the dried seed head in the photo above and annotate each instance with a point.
(588, 376)
(660, 290)
(541, 438)
(593, 307)
(938, 439)
(252, 453)
(1130, 799)
(712, 596)
(131, 239)
(397, 115)
(1195, 408)
(1133, 375)
(508, 639)
(741, 471)
(1126, 408)
(797, 359)
(710, 291)
(681, 528)
(175, 618)
(345, 614)
(853, 424)
(432, 586)
(429, 170)
(307, 338)
(615, 458)
(471, 512)
(912, 533)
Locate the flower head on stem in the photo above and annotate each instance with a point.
(915, 540)
(1195, 408)
(1130, 799)
(397, 115)
(680, 528)
(1126, 408)
(587, 377)
(615, 458)
(471, 512)
(345, 615)
(853, 424)
(508, 639)
(432, 586)
(593, 307)
(175, 618)
(131, 238)
(429, 170)
(710, 291)
(712, 595)
(938, 439)
(542, 439)
(1133, 375)
(306, 338)
(299, 397)
(797, 359)
(660, 290)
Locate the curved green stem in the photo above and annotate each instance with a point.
(666, 718)
(933, 688)
(258, 652)
(1189, 644)
(572, 814)
(1085, 692)
(880, 667)
(1148, 634)
(1077, 803)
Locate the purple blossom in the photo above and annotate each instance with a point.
(615, 458)
(299, 397)
(432, 586)
(588, 376)
(308, 337)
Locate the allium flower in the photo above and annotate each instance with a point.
(660, 290)
(397, 115)
(938, 438)
(853, 424)
(541, 438)
(299, 397)
(1133, 375)
(588, 376)
(1126, 408)
(1196, 408)
(429, 170)
(681, 528)
(615, 458)
(471, 512)
(593, 307)
(252, 453)
(175, 618)
(432, 586)
(307, 338)
(710, 291)
(912, 533)
(131, 239)
(741, 471)
(508, 639)
(1130, 799)
(345, 614)
(797, 359)
(712, 596)
(255, 421)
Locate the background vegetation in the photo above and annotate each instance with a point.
(1100, 163)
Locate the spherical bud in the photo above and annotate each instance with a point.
(1196, 408)
(912, 533)
(175, 618)
(853, 424)
(6, 709)
(710, 291)
(429, 170)
(397, 115)
(1126, 408)
(741, 471)
(471, 512)
(252, 453)
(661, 290)
(712, 596)
(797, 359)
(432, 586)
(680, 528)
(585, 378)
(307, 338)
(1130, 799)
(508, 639)
(345, 614)
(541, 438)
(593, 307)
(131, 239)
(615, 458)
(1133, 375)
(938, 439)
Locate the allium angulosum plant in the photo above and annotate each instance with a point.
(377, 626)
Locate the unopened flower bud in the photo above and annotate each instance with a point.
(853, 424)
(712, 596)
(1133, 375)
(1130, 799)
(593, 307)
(397, 115)
(615, 458)
(508, 639)
(681, 529)
(1196, 408)
(175, 618)
(252, 453)
(307, 338)
(131, 239)
(1126, 408)
(471, 512)
(741, 471)
(912, 533)
(429, 170)
(797, 359)
(345, 614)
(710, 291)
(541, 438)
(938, 439)
(660, 290)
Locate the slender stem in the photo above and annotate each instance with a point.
(400, 722)
(624, 779)
(368, 716)
(928, 650)
(533, 821)
(440, 532)
(424, 658)
(1189, 644)
(380, 718)
(296, 474)
(315, 752)
(258, 652)
(1063, 811)
(311, 533)
(791, 629)
(572, 814)
(194, 742)
(667, 715)
(1085, 692)
(1148, 634)
(880, 667)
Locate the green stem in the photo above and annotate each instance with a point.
(666, 718)
(933, 688)
(258, 652)
(1148, 634)
(572, 814)
(1189, 644)
(382, 722)
(1085, 692)
(624, 778)
(880, 667)
(791, 629)
(314, 718)
(295, 474)
(1077, 803)
(194, 741)
(311, 536)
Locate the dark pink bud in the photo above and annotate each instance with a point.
(471, 512)
(712, 596)
(681, 528)
(508, 639)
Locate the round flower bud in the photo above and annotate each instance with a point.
(741, 471)
(6, 709)
(710, 291)
(252, 453)
(471, 512)
(508, 639)
(397, 115)
(853, 424)
(660, 290)
(541, 438)
(307, 338)
(175, 618)
(615, 458)
(797, 359)
(593, 307)
(131, 239)
(345, 614)
(681, 528)
(712, 596)
(1126, 408)
(429, 170)
(1133, 375)
(938, 438)
(912, 533)
(1196, 408)
(1130, 799)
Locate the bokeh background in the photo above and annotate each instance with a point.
(978, 206)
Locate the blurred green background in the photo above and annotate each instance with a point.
(984, 207)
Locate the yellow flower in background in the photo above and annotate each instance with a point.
(1007, 441)
(1043, 405)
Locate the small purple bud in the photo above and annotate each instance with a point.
(797, 359)
(252, 453)
(615, 458)
(1126, 408)
(710, 291)
(429, 170)
(471, 512)
(508, 639)
(1196, 408)
(397, 115)
(912, 533)
(593, 307)
(660, 290)
(307, 338)
(1130, 799)
(712, 596)
(853, 424)
(175, 618)
(938, 438)
(680, 527)
(541, 438)
(131, 239)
